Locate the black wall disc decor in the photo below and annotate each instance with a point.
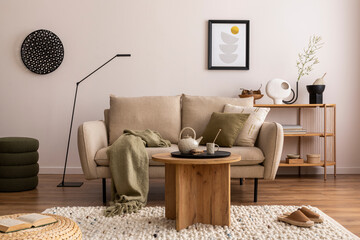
(42, 51)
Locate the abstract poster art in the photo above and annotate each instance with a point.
(229, 44)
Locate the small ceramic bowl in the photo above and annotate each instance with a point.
(293, 156)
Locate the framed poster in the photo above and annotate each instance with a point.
(229, 44)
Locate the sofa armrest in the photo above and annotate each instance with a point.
(270, 141)
(92, 136)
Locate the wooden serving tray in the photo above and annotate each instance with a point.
(294, 161)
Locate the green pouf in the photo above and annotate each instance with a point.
(16, 159)
(18, 145)
(18, 184)
(23, 171)
(18, 164)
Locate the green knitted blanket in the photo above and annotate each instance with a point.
(129, 166)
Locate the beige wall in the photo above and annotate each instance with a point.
(168, 43)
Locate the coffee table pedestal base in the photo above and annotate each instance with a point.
(197, 194)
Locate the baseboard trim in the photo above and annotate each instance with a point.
(281, 171)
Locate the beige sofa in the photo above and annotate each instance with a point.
(168, 115)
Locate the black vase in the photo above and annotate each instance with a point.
(315, 93)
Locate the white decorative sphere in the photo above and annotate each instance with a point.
(278, 89)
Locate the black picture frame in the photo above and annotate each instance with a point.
(244, 65)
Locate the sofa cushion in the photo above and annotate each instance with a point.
(101, 157)
(248, 134)
(162, 114)
(197, 110)
(249, 155)
(230, 125)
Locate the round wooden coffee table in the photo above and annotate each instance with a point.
(197, 190)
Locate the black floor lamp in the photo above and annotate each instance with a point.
(78, 184)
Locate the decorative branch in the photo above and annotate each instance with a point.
(308, 58)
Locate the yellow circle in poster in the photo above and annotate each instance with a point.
(235, 30)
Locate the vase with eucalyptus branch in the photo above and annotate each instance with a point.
(305, 63)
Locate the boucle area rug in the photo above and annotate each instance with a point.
(247, 222)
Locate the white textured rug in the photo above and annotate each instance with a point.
(247, 222)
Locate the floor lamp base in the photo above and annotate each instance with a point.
(70, 184)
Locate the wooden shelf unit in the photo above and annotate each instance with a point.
(294, 105)
(321, 164)
(322, 134)
(308, 134)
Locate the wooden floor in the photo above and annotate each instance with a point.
(339, 198)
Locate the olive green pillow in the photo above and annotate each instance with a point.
(230, 125)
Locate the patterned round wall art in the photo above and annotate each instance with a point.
(42, 51)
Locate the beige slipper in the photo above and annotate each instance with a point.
(309, 214)
(296, 218)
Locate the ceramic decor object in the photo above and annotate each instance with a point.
(188, 143)
(278, 89)
(320, 81)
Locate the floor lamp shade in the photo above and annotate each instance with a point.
(78, 184)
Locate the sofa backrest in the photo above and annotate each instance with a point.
(164, 114)
(197, 110)
(159, 113)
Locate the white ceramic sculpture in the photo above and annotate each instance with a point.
(278, 89)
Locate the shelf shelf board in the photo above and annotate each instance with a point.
(294, 105)
(308, 134)
(321, 164)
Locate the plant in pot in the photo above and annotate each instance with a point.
(305, 63)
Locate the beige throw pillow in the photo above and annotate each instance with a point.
(248, 134)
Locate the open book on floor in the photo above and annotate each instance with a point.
(25, 221)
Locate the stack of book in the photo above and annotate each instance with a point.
(293, 129)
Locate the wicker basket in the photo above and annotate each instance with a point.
(313, 158)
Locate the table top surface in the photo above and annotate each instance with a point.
(167, 158)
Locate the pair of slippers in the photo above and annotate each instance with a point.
(303, 217)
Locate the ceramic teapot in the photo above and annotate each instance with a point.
(188, 143)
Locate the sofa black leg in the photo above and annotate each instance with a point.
(255, 189)
(104, 190)
(241, 181)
